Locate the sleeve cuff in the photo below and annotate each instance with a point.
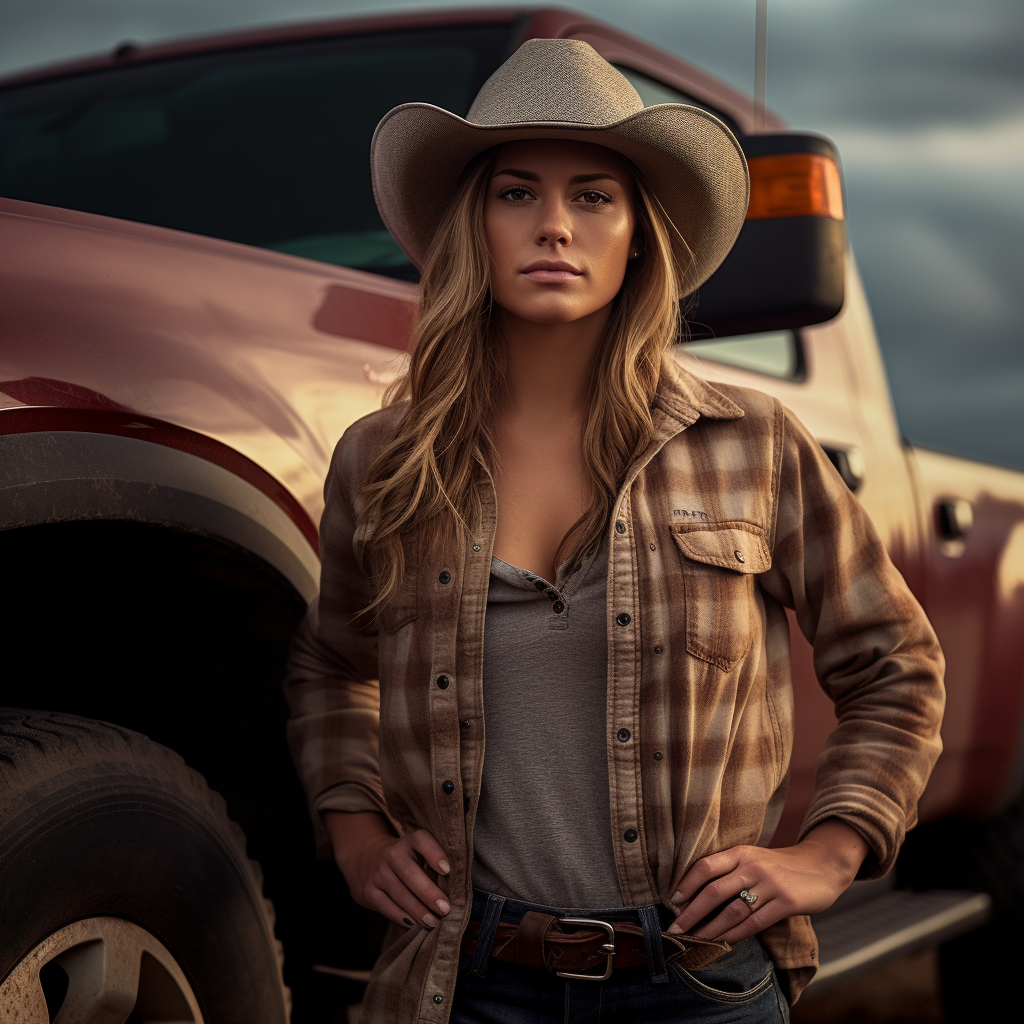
(347, 797)
(877, 818)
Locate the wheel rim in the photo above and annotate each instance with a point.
(113, 969)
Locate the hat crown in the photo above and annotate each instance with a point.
(564, 80)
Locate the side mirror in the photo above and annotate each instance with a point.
(786, 269)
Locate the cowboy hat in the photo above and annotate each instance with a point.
(564, 89)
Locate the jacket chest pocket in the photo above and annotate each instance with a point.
(719, 567)
(403, 605)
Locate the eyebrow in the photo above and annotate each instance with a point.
(576, 179)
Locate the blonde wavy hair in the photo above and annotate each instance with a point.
(425, 484)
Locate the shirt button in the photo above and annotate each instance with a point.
(464, 724)
(439, 998)
(623, 735)
(476, 547)
(540, 584)
(447, 787)
(445, 576)
(620, 527)
(739, 556)
(631, 835)
(654, 547)
(658, 755)
(558, 607)
(623, 618)
(657, 648)
(442, 682)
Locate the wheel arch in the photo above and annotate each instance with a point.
(59, 475)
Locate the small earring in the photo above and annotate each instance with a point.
(634, 254)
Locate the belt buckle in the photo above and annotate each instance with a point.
(608, 948)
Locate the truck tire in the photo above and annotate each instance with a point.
(987, 856)
(124, 884)
(990, 858)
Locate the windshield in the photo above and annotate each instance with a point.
(267, 146)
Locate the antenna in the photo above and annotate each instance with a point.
(760, 63)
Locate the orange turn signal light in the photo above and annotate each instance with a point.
(794, 185)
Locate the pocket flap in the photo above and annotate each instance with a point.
(729, 548)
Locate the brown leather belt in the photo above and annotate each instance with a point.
(539, 940)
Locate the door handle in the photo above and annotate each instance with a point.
(849, 463)
(954, 518)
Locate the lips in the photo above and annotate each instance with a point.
(552, 271)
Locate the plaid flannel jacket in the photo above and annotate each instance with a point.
(731, 515)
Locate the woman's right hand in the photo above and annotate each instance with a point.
(385, 873)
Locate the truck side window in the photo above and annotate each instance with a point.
(653, 92)
(775, 354)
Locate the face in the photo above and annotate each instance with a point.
(560, 228)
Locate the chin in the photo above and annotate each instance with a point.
(552, 313)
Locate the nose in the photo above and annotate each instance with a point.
(554, 224)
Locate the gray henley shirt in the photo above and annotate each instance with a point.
(543, 828)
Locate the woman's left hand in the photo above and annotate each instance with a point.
(801, 879)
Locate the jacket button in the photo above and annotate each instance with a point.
(442, 682)
(658, 755)
(620, 527)
(623, 618)
(476, 547)
(739, 556)
(464, 724)
(623, 735)
(439, 999)
(447, 787)
(631, 835)
(445, 577)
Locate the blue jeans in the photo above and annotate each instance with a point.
(738, 988)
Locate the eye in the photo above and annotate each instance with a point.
(594, 198)
(514, 193)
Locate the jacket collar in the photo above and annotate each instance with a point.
(682, 397)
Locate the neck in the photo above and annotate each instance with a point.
(549, 366)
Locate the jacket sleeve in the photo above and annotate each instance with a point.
(331, 685)
(875, 653)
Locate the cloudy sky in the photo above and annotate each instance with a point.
(924, 97)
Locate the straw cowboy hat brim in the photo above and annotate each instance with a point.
(562, 89)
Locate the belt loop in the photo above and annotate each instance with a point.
(485, 938)
(653, 947)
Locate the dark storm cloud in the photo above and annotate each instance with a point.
(905, 64)
(924, 97)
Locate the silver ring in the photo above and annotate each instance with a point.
(750, 898)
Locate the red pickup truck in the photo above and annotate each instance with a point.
(196, 298)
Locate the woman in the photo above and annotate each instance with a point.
(631, 535)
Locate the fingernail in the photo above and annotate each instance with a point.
(676, 897)
(430, 921)
(674, 929)
(444, 867)
(443, 905)
(408, 923)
